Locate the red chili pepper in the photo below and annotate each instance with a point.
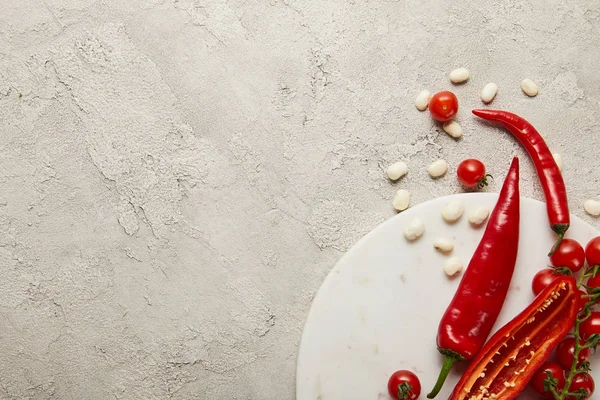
(471, 315)
(509, 359)
(545, 165)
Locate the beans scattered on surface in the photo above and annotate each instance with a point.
(529, 87)
(459, 75)
(592, 207)
(401, 200)
(444, 245)
(453, 211)
(489, 92)
(422, 100)
(479, 216)
(414, 229)
(437, 168)
(558, 159)
(453, 266)
(397, 170)
(453, 129)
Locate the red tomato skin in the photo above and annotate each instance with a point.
(590, 326)
(565, 351)
(400, 377)
(583, 300)
(569, 254)
(594, 281)
(592, 252)
(542, 279)
(470, 171)
(443, 106)
(582, 380)
(537, 381)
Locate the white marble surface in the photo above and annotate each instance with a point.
(178, 176)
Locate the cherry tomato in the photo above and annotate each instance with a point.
(565, 351)
(582, 381)
(592, 252)
(594, 281)
(543, 279)
(590, 326)
(404, 385)
(569, 254)
(471, 173)
(443, 106)
(583, 300)
(537, 381)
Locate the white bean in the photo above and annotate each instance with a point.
(489, 92)
(453, 129)
(422, 100)
(558, 159)
(479, 216)
(453, 211)
(414, 229)
(401, 200)
(444, 245)
(437, 168)
(397, 170)
(459, 75)
(529, 87)
(592, 207)
(453, 266)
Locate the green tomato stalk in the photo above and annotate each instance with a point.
(550, 383)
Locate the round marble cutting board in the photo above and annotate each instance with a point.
(378, 309)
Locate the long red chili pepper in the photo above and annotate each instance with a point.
(545, 165)
(471, 315)
(508, 360)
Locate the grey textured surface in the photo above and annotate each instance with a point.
(178, 176)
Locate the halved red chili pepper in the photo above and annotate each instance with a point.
(473, 311)
(509, 359)
(548, 172)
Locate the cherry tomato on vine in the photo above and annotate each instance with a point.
(404, 385)
(565, 351)
(543, 279)
(537, 381)
(582, 381)
(594, 281)
(590, 326)
(569, 254)
(443, 106)
(583, 300)
(471, 173)
(592, 252)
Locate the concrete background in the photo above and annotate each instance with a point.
(178, 176)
